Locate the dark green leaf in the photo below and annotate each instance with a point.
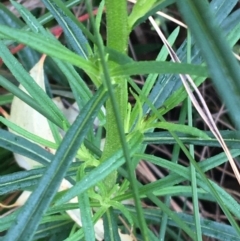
(31, 87)
(24, 147)
(223, 67)
(31, 213)
(231, 138)
(110, 226)
(26, 98)
(86, 213)
(70, 25)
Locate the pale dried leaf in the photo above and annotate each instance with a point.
(29, 119)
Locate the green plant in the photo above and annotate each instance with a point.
(104, 180)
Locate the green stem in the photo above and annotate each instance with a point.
(117, 25)
(117, 39)
(118, 105)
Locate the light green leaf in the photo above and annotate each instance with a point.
(140, 8)
(180, 128)
(158, 67)
(48, 46)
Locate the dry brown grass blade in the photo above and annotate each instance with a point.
(203, 111)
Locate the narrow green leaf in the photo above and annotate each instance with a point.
(110, 226)
(19, 180)
(158, 6)
(216, 230)
(31, 87)
(100, 172)
(210, 228)
(140, 8)
(70, 26)
(28, 57)
(80, 90)
(27, 99)
(6, 99)
(222, 8)
(24, 147)
(48, 16)
(230, 137)
(86, 213)
(177, 191)
(222, 65)
(48, 46)
(31, 213)
(27, 134)
(8, 18)
(5, 222)
(24, 180)
(158, 67)
(98, 18)
(181, 128)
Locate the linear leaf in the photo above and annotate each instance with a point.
(31, 213)
(24, 147)
(26, 98)
(140, 8)
(70, 25)
(169, 86)
(48, 46)
(230, 137)
(158, 67)
(24, 179)
(86, 213)
(222, 65)
(210, 228)
(80, 90)
(31, 87)
(110, 226)
(6, 99)
(183, 129)
(100, 172)
(222, 8)
(28, 56)
(21, 131)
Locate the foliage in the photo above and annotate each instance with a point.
(103, 178)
